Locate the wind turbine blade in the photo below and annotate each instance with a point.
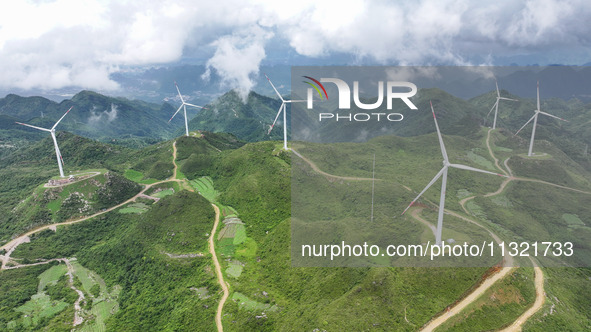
(538, 95)
(508, 99)
(179, 91)
(497, 85)
(443, 151)
(193, 105)
(277, 92)
(554, 116)
(176, 112)
(59, 153)
(475, 169)
(276, 117)
(58, 121)
(295, 101)
(28, 125)
(528, 121)
(427, 187)
(493, 107)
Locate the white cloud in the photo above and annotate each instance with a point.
(106, 116)
(60, 43)
(237, 59)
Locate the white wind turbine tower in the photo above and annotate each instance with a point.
(281, 108)
(443, 173)
(496, 105)
(58, 154)
(535, 118)
(184, 107)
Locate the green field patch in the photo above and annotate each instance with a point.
(163, 189)
(502, 149)
(98, 314)
(463, 193)
(572, 220)
(231, 227)
(246, 303)
(234, 269)
(135, 208)
(138, 177)
(83, 275)
(226, 246)
(502, 200)
(240, 235)
(204, 185)
(475, 209)
(481, 161)
(163, 193)
(103, 306)
(133, 175)
(51, 276)
(201, 292)
(180, 175)
(54, 206)
(247, 249)
(228, 211)
(40, 306)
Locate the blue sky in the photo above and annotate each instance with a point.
(72, 43)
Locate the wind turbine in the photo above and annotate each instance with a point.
(535, 118)
(58, 154)
(184, 107)
(281, 108)
(496, 105)
(443, 173)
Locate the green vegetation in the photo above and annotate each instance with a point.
(248, 120)
(568, 299)
(16, 288)
(138, 177)
(251, 305)
(132, 285)
(46, 308)
(498, 306)
(39, 307)
(61, 290)
(205, 187)
(134, 208)
(138, 123)
(234, 269)
(125, 250)
(163, 193)
(475, 156)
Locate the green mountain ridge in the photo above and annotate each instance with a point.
(248, 120)
(140, 251)
(93, 116)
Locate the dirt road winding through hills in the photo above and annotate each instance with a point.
(508, 260)
(539, 275)
(11, 245)
(330, 176)
(218, 271)
(485, 285)
(490, 151)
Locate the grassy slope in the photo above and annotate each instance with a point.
(24, 170)
(128, 250)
